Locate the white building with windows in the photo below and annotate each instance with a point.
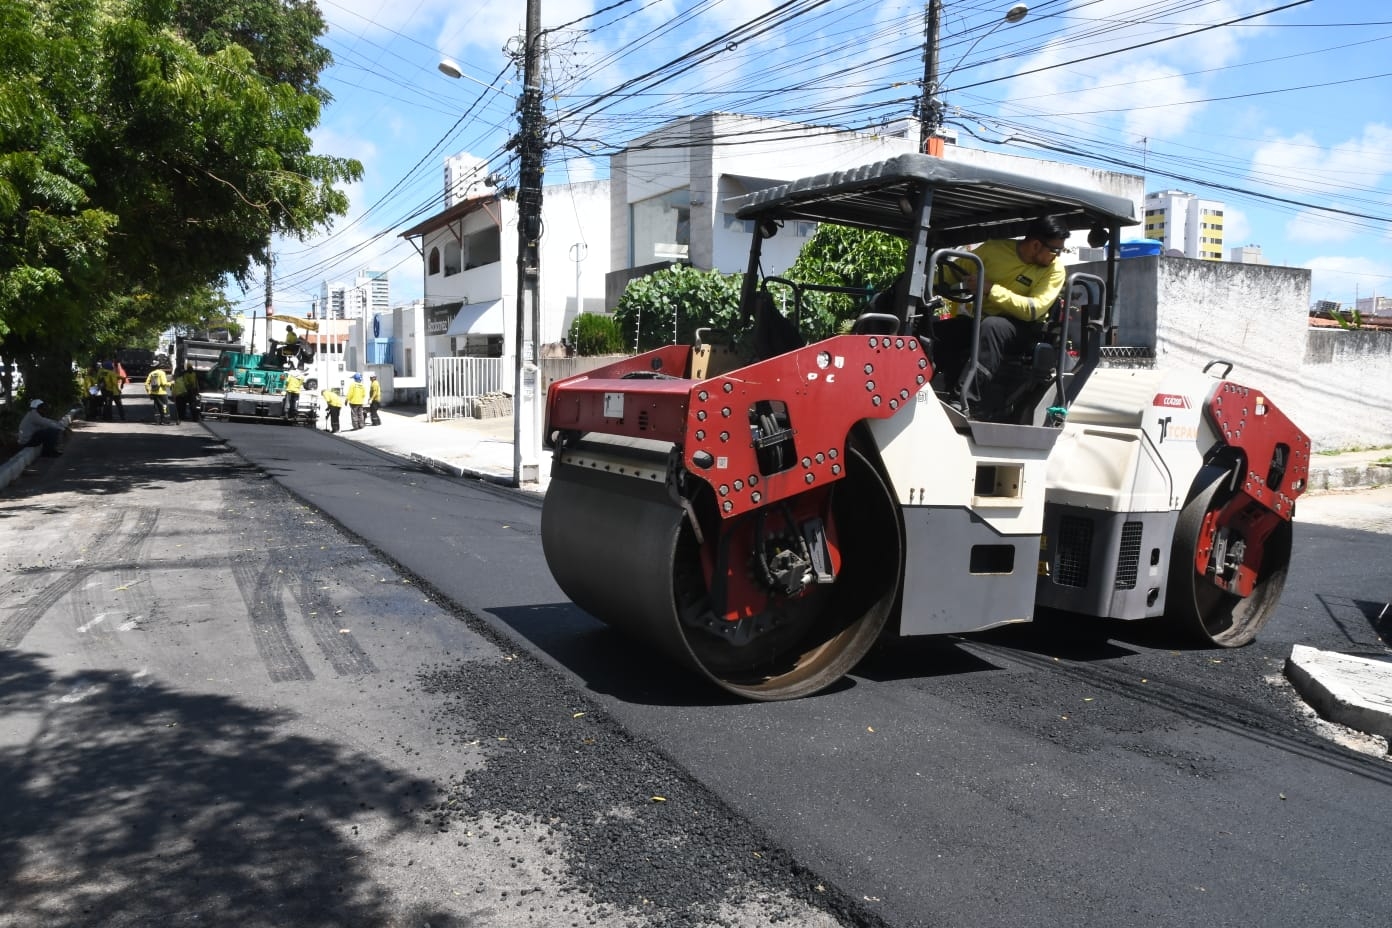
(671, 189)
(373, 292)
(369, 293)
(1185, 223)
(470, 259)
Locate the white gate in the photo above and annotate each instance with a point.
(455, 381)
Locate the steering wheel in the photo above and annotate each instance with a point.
(958, 291)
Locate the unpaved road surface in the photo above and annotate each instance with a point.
(217, 708)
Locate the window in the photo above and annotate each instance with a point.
(660, 228)
(482, 247)
(736, 224)
(434, 261)
(453, 259)
(804, 229)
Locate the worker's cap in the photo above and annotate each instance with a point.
(373, 376)
(35, 404)
(358, 377)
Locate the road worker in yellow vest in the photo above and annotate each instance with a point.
(157, 385)
(357, 396)
(334, 403)
(294, 384)
(374, 399)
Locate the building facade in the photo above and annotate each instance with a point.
(369, 293)
(671, 191)
(470, 263)
(465, 177)
(1185, 224)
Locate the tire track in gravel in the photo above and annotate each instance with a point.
(133, 596)
(107, 533)
(270, 629)
(22, 621)
(340, 648)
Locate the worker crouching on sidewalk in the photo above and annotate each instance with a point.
(357, 396)
(37, 430)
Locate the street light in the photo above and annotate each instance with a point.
(932, 115)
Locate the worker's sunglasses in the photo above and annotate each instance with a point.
(1052, 250)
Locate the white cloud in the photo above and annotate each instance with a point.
(1312, 226)
(1146, 90)
(1300, 163)
(1237, 230)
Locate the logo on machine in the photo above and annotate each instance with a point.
(1171, 401)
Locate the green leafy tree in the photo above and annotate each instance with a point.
(840, 256)
(667, 307)
(595, 333)
(146, 154)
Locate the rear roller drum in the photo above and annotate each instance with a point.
(1196, 605)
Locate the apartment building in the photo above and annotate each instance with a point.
(1186, 224)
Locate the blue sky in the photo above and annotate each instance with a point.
(1285, 116)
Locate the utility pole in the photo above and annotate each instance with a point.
(531, 150)
(930, 105)
(269, 300)
(930, 108)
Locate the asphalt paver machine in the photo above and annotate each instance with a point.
(765, 516)
(249, 387)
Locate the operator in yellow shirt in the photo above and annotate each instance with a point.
(1023, 279)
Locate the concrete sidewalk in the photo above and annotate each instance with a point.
(476, 448)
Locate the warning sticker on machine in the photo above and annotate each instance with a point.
(613, 405)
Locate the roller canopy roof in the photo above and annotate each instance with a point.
(969, 203)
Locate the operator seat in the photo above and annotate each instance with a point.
(774, 333)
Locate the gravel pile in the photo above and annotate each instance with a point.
(626, 831)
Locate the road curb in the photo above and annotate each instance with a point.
(10, 471)
(1349, 476)
(1349, 689)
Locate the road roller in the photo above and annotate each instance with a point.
(763, 510)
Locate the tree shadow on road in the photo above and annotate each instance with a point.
(128, 803)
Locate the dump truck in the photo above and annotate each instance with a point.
(252, 387)
(764, 511)
(202, 354)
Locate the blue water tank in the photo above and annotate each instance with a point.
(1140, 248)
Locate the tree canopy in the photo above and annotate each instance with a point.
(148, 151)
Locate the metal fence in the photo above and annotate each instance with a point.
(453, 382)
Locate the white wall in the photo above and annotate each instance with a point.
(681, 154)
(1335, 385)
(572, 214)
